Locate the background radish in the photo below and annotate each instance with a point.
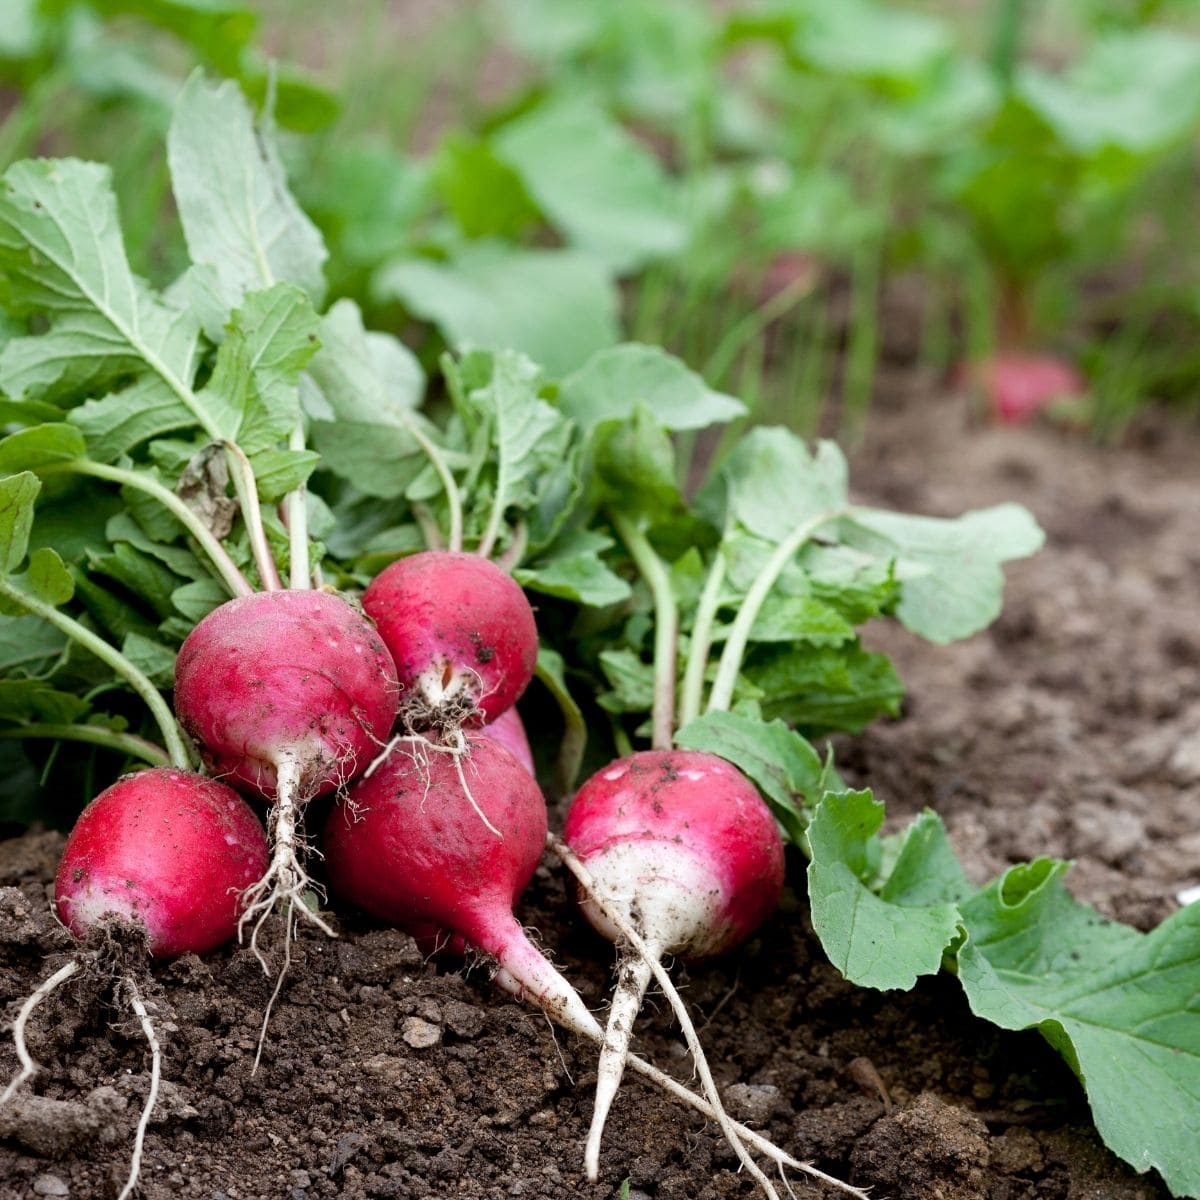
(158, 862)
(405, 845)
(289, 693)
(462, 635)
(682, 845)
(509, 730)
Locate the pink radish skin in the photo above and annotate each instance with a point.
(461, 632)
(1019, 386)
(166, 851)
(681, 845)
(509, 730)
(407, 846)
(290, 693)
(299, 676)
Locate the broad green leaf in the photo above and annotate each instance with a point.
(47, 578)
(278, 472)
(607, 193)
(361, 404)
(17, 494)
(29, 647)
(1122, 1007)
(253, 395)
(613, 382)
(485, 195)
(870, 40)
(573, 569)
(231, 191)
(62, 255)
(27, 412)
(635, 461)
(557, 306)
(152, 658)
(124, 528)
(116, 423)
(39, 446)
(873, 941)
(795, 619)
(145, 578)
(31, 699)
(949, 570)
(782, 764)
(196, 600)
(631, 680)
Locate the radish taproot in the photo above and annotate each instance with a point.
(462, 635)
(288, 694)
(159, 864)
(405, 845)
(682, 845)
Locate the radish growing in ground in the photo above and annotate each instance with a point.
(405, 845)
(684, 847)
(157, 864)
(462, 635)
(289, 693)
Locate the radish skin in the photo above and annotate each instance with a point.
(462, 635)
(288, 694)
(682, 846)
(509, 730)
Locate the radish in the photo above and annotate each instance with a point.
(404, 845)
(1018, 386)
(158, 862)
(461, 633)
(288, 693)
(683, 846)
(509, 730)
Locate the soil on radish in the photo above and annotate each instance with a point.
(1070, 728)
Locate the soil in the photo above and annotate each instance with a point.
(1071, 727)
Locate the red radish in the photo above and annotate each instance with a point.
(682, 846)
(462, 635)
(1019, 386)
(407, 846)
(509, 730)
(167, 852)
(289, 693)
(160, 860)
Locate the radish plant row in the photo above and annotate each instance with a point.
(228, 491)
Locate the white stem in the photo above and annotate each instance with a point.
(634, 977)
(29, 1068)
(616, 918)
(296, 507)
(135, 1166)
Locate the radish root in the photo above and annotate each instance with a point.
(28, 1068)
(736, 1133)
(139, 1007)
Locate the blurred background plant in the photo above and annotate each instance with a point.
(787, 193)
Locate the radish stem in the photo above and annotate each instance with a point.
(296, 507)
(739, 635)
(666, 627)
(231, 576)
(29, 1068)
(96, 735)
(172, 736)
(244, 484)
(453, 498)
(692, 696)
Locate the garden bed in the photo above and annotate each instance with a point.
(1070, 728)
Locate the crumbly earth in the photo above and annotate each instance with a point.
(1072, 727)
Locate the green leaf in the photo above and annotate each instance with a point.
(873, 941)
(871, 41)
(485, 195)
(556, 306)
(573, 569)
(24, 700)
(231, 191)
(48, 578)
(795, 619)
(631, 681)
(152, 658)
(39, 446)
(29, 647)
(1121, 1006)
(784, 767)
(196, 600)
(605, 191)
(147, 580)
(278, 472)
(951, 584)
(116, 423)
(61, 250)
(253, 395)
(361, 400)
(635, 461)
(613, 382)
(17, 494)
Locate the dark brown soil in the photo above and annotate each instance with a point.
(1070, 728)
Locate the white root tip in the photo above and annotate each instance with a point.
(28, 1068)
(135, 1166)
(634, 976)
